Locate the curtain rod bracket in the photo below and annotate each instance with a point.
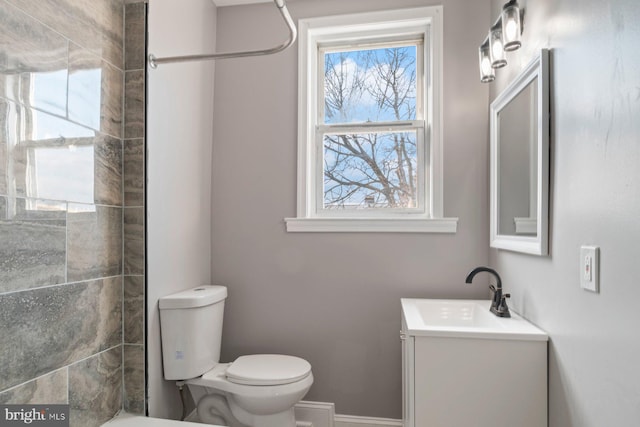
(282, 8)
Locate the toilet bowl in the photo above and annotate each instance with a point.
(262, 397)
(258, 390)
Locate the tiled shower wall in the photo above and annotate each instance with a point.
(72, 205)
(133, 199)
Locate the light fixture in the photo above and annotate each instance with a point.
(511, 26)
(487, 74)
(504, 36)
(496, 52)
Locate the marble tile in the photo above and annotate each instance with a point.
(47, 389)
(33, 236)
(133, 240)
(134, 172)
(94, 242)
(52, 158)
(134, 40)
(95, 92)
(134, 104)
(134, 387)
(33, 69)
(95, 389)
(47, 328)
(95, 25)
(133, 310)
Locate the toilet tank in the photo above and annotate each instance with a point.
(191, 331)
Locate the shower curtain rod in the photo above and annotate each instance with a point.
(282, 8)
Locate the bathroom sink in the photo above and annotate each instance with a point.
(464, 318)
(464, 366)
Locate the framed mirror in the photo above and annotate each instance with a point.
(519, 134)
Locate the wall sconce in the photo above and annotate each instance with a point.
(511, 26)
(487, 75)
(504, 36)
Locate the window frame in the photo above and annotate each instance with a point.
(424, 23)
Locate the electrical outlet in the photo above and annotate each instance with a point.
(590, 268)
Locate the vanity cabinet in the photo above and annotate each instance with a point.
(476, 381)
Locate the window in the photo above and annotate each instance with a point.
(371, 131)
(369, 148)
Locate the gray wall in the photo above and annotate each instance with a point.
(595, 181)
(179, 114)
(65, 146)
(334, 299)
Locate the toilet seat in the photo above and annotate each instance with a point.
(267, 369)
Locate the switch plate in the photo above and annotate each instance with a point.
(590, 268)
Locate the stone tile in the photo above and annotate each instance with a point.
(134, 172)
(94, 242)
(133, 309)
(95, 389)
(95, 92)
(95, 25)
(5, 180)
(133, 240)
(134, 40)
(77, 164)
(48, 328)
(133, 379)
(33, 69)
(108, 170)
(134, 104)
(48, 389)
(33, 236)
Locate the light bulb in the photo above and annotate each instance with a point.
(496, 51)
(486, 66)
(510, 30)
(496, 48)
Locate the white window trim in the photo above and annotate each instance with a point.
(314, 31)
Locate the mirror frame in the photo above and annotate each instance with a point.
(538, 244)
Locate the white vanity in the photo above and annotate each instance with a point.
(464, 366)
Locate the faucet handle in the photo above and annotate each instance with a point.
(494, 296)
(502, 310)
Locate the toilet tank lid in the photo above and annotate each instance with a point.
(195, 297)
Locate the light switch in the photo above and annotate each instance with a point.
(589, 268)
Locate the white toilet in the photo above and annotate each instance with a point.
(253, 391)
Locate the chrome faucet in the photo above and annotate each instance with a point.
(499, 302)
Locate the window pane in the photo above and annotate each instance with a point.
(370, 85)
(370, 171)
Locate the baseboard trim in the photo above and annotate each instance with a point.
(317, 414)
(322, 414)
(353, 421)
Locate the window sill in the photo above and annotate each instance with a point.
(371, 225)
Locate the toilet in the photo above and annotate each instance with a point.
(257, 390)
